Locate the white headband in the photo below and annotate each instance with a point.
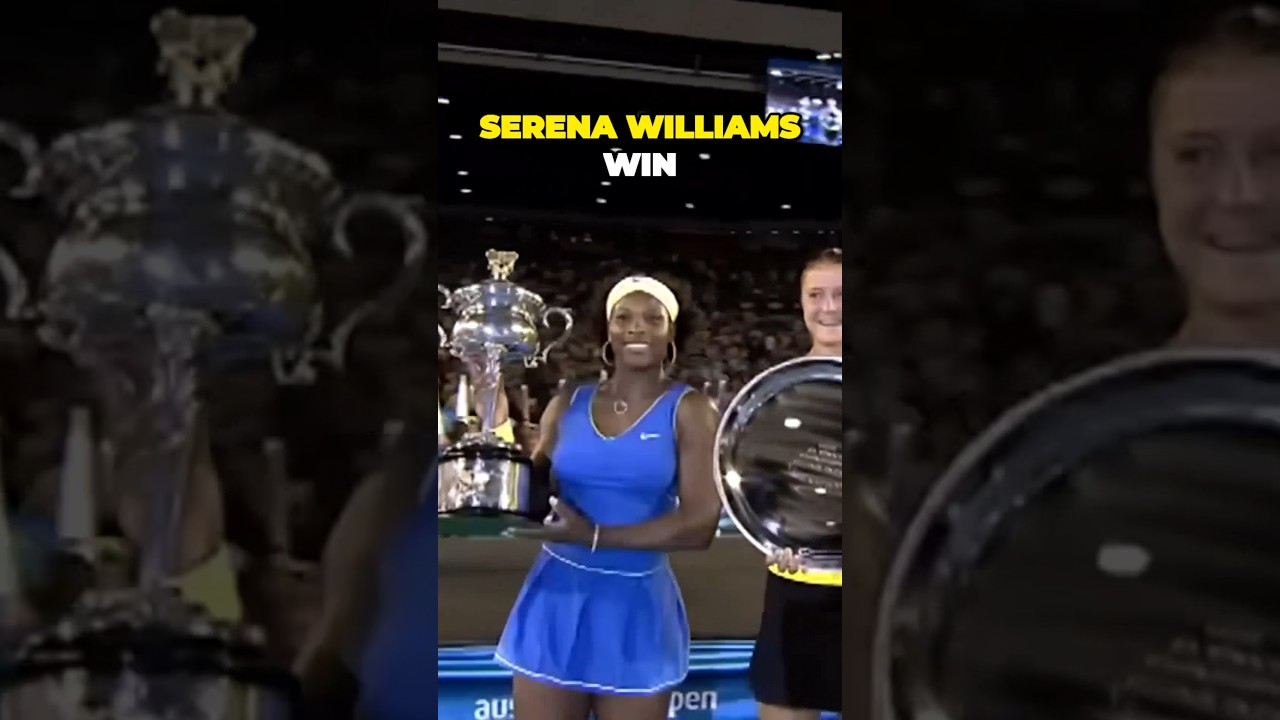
(647, 285)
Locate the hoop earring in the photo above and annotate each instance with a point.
(605, 355)
(674, 355)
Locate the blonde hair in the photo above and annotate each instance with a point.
(1247, 32)
(830, 256)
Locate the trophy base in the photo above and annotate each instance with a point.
(145, 654)
(481, 523)
(482, 476)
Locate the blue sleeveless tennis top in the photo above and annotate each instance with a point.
(610, 621)
(398, 667)
(622, 480)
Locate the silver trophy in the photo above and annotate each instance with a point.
(185, 208)
(187, 237)
(497, 324)
(780, 461)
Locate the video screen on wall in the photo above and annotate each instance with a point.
(812, 90)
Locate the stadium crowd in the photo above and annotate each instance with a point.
(745, 293)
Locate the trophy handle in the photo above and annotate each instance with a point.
(445, 296)
(567, 318)
(416, 237)
(17, 291)
(25, 146)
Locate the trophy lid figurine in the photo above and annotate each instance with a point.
(497, 324)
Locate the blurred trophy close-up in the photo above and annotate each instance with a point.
(497, 325)
(1105, 549)
(187, 237)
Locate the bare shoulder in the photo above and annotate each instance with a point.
(559, 403)
(549, 424)
(353, 535)
(697, 411)
(560, 400)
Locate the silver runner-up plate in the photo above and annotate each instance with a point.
(779, 458)
(1107, 550)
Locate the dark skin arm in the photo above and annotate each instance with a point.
(692, 525)
(548, 435)
(349, 596)
(350, 567)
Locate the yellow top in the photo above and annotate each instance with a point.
(212, 584)
(506, 431)
(809, 577)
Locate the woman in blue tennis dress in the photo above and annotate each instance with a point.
(599, 626)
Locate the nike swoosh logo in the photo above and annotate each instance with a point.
(649, 436)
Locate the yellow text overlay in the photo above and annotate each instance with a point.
(641, 127)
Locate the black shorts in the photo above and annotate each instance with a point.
(797, 659)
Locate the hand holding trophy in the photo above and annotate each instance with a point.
(497, 324)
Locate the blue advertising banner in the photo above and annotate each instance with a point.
(474, 687)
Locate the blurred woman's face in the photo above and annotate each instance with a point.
(822, 299)
(1215, 167)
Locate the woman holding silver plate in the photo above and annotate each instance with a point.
(1146, 485)
(796, 666)
(599, 627)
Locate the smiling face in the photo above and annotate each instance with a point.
(639, 332)
(1215, 167)
(822, 299)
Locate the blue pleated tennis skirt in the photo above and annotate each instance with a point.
(597, 630)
